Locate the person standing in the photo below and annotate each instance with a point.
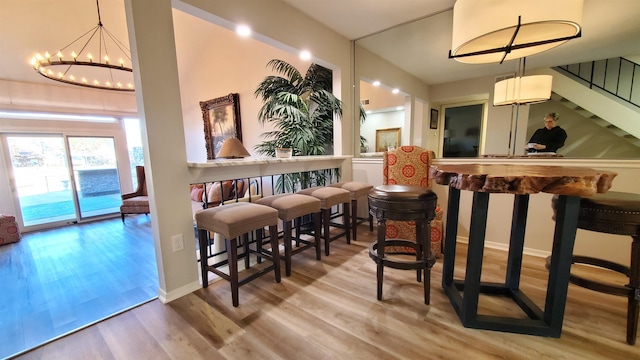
(550, 138)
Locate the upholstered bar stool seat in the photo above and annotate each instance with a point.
(408, 203)
(356, 189)
(613, 213)
(329, 197)
(291, 207)
(232, 221)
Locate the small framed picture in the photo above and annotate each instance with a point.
(387, 139)
(433, 124)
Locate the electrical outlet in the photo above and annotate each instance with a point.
(177, 242)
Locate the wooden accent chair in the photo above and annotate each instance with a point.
(136, 202)
(409, 165)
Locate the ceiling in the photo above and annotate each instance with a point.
(610, 29)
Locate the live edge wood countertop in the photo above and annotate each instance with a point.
(523, 179)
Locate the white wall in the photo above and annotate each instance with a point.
(383, 120)
(213, 62)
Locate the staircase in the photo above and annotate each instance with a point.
(596, 119)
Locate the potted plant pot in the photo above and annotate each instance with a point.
(284, 153)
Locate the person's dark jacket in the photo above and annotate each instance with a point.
(553, 139)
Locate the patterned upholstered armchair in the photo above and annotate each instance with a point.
(136, 202)
(409, 165)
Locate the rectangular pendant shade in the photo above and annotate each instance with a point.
(522, 90)
(485, 29)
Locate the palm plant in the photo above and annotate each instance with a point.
(301, 111)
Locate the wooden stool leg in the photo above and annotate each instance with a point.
(275, 254)
(317, 229)
(426, 256)
(297, 222)
(382, 229)
(232, 253)
(354, 218)
(634, 296)
(202, 241)
(259, 236)
(287, 248)
(326, 217)
(420, 248)
(347, 222)
(245, 245)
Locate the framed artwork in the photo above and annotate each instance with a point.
(387, 138)
(221, 118)
(433, 124)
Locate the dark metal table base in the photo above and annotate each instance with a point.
(464, 295)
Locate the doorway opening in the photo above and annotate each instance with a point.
(462, 130)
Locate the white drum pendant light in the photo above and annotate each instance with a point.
(522, 90)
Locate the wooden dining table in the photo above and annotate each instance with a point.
(522, 180)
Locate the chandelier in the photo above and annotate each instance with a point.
(95, 59)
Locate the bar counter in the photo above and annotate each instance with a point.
(224, 169)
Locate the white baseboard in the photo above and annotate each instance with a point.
(178, 293)
(505, 247)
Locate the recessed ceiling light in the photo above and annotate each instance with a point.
(395, 91)
(243, 31)
(376, 83)
(305, 55)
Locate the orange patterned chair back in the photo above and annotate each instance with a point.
(409, 165)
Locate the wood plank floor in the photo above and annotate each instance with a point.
(56, 281)
(328, 310)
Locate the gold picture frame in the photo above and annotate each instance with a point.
(387, 138)
(221, 118)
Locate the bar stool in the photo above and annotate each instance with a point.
(407, 203)
(356, 189)
(613, 213)
(290, 207)
(331, 196)
(231, 221)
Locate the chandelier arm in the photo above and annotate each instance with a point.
(118, 43)
(88, 41)
(79, 37)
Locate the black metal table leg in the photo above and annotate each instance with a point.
(464, 295)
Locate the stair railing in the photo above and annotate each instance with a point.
(615, 76)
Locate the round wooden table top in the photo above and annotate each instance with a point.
(523, 179)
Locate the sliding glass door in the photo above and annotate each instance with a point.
(97, 185)
(41, 179)
(61, 179)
